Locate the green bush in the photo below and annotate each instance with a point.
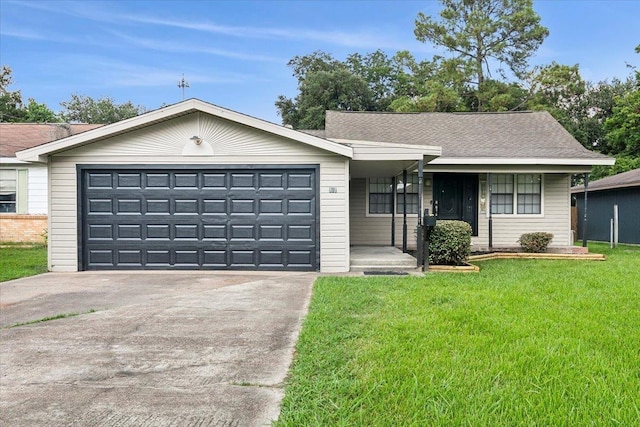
(535, 242)
(450, 243)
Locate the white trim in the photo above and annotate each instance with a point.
(515, 213)
(395, 201)
(41, 152)
(609, 161)
(427, 149)
(11, 161)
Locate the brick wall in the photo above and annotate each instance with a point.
(22, 228)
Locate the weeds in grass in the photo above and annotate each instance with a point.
(48, 318)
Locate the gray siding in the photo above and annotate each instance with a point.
(231, 143)
(600, 211)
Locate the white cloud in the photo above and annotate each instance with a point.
(341, 38)
(185, 47)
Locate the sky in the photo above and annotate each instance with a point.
(234, 54)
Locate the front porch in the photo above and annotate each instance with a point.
(381, 259)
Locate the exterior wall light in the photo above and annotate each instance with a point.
(196, 140)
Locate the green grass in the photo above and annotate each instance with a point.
(522, 343)
(17, 261)
(49, 318)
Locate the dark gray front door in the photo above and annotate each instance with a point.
(455, 197)
(186, 218)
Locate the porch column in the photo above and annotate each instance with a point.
(404, 211)
(490, 212)
(420, 248)
(393, 211)
(584, 224)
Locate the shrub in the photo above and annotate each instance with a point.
(535, 242)
(450, 243)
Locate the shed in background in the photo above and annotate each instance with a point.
(622, 190)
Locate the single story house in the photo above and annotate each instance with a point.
(196, 186)
(622, 190)
(23, 185)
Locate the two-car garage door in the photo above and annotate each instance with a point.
(186, 217)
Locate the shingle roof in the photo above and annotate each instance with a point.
(621, 180)
(320, 133)
(464, 135)
(19, 136)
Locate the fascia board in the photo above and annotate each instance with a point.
(606, 187)
(40, 153)
(11, 161)
(427, 149)
(522, 161)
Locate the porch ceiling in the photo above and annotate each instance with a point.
(375, 159)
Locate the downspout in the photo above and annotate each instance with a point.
(490, 212)
(584, 224)
(404, 212)
(393, 211)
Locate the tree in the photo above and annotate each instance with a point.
(10, 101)
(623, 127)
(325, 83)
(39, 113)
(476, 31)
(84, 109)
(338, 89)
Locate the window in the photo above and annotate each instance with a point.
(502, 197)
(8, 190)
(412, 195)
(521, 193)
(529, 193)
(380, 196)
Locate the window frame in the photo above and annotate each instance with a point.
(369, 193)
(400, 193)
(395, 198)
(515, 195)
(21, 192)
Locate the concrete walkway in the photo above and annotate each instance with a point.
(187, 349)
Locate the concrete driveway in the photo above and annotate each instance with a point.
(180, 349)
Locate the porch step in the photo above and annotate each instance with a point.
(385, 268)
(381, 259)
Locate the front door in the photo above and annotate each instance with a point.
(455, 197)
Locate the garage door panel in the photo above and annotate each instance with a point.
(213, 219)
(100, 180)
(129, 180)
(271, 181)
(186, 180)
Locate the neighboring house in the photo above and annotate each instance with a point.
(23, 185)
(196, 186)
(602, 195)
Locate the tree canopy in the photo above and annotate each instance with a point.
(490, 43)
(10, 100)
(477, 31)
(85, 109)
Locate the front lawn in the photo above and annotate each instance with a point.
(17, 261)
(524, 342)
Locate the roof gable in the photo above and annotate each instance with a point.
(510, 135)
(189, 106)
